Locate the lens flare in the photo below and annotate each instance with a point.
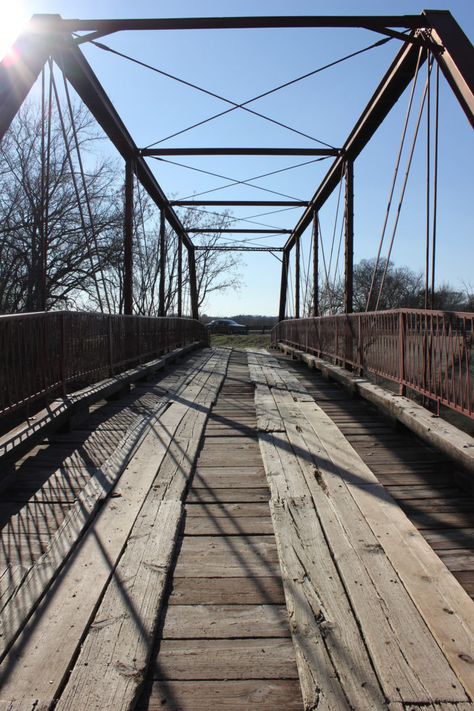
(12, 21)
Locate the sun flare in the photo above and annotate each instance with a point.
(13, 19)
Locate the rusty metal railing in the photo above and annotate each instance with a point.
(46, 354)
(429, 352)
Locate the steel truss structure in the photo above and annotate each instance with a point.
(52, 37)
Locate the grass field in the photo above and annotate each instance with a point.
(252, 340)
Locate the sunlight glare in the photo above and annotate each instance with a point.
(13, 18)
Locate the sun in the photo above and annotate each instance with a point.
(13, 18)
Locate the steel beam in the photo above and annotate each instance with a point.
(349, 238)
(392, 86)
(284, 285)
(180, 278)
(239, 203)
(455, 57)
(297, 277)
(236, 248)
(230, 230)
(239, 152)
(373, 22)
(128, 240)
(193, 282)
(161, 296)
(76, 68)
(315, 265)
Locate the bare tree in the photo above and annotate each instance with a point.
(215, 271)
(53, 248)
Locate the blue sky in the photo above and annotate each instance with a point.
(241, 64)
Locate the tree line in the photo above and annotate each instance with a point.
(402, 288)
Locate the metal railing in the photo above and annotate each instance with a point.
(429, 352)
(45, 354)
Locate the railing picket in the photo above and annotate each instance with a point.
(428, 352)
(45, 354)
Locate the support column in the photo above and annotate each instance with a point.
(193, 282)
(297, 276)
(128, 240)
(284, 284)
(161, 304)
(180, 277)
(315, 264)
(349, 238)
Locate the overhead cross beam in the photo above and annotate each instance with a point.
(235, 248)
(239, 151)
(239, 203)
(371, 22)
(231, 230)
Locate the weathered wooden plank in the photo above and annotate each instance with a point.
(235, 477)
(442, 519)
(228, 510)
(225, 659)
(226, 695)
(437, 706)
(115, 653)
(422, 491)
(227, 557)
(200, 495)
(345, 530)
(449, 538)
(232, 459)
(395, 631)
(55, 632)
(222, 431)
(225, 621)
(334, 667)
(227, 591)
(220, 526)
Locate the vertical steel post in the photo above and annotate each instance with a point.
(401, 352)
(349, 238)
(128, 240)
(193, 283)
(180, 277)
(297, 276)
(284, 285)
(161, 304)
(315, 265)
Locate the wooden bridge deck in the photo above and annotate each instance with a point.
(215, 539)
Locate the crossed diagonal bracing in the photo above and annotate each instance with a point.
(51, 36)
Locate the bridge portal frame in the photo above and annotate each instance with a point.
(50, 36)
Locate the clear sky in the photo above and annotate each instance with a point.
(240, 64)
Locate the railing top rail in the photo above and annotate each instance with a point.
(372, 314)
(91, 314)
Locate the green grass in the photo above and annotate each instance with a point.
(252, 340)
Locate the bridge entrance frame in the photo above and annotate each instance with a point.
(51, 37)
